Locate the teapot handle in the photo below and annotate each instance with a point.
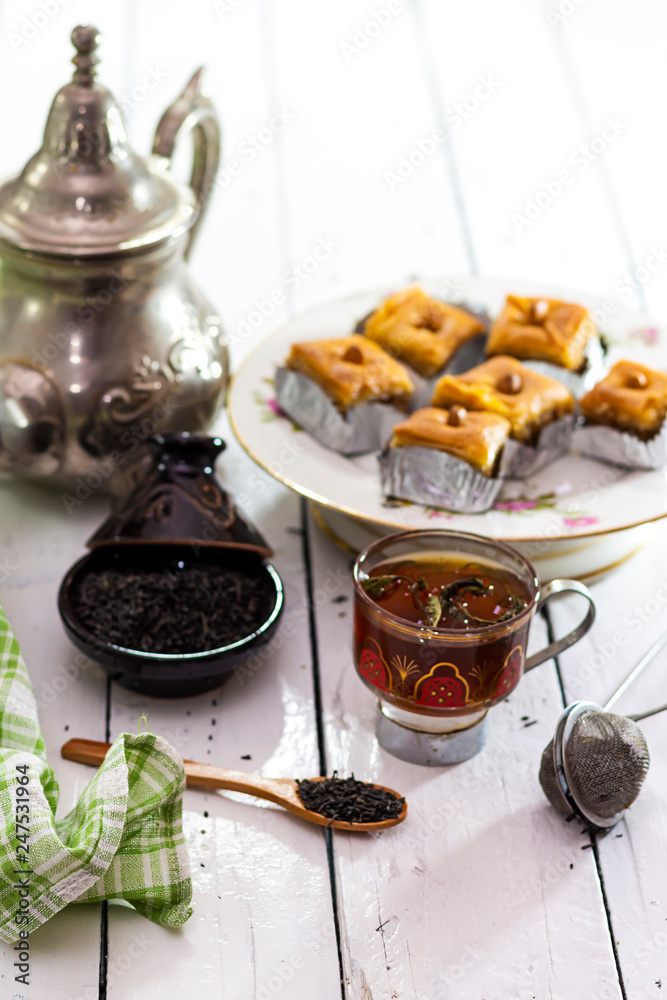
(193, 112)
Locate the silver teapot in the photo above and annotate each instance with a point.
(104, 337)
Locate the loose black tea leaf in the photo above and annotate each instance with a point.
(451, 594)
(376, 585)
(189, 610)
(433, 611)
(349, 800)
(516, 605)
(469, 585)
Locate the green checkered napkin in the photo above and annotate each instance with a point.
(124, 838)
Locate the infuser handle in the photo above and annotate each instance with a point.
(634, 674)
(193, 112)
(554, 648)
(647, 715)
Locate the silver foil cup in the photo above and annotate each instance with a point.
(435, 479)
(577, 382)
(361, 429)
(519, 460)
(606, 444)
(469, 354)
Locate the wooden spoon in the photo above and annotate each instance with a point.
(282, 791)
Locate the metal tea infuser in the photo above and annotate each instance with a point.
(596, 763)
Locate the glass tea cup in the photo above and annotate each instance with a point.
(435, 685)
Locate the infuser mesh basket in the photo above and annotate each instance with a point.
(607, 759)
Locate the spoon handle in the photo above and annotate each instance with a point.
(279, 790)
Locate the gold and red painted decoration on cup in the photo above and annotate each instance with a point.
(443, 686)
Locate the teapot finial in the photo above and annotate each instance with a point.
(85, 39)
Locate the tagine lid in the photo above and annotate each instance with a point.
(181, 502)
(86, 192)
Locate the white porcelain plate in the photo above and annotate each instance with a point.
(573, 498)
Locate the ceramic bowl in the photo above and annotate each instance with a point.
(170, 675)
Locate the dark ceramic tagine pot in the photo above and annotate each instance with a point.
(177, 518)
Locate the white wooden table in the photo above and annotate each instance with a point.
(485, 893)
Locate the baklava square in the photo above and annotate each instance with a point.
(504, 386)
(423, 332)
(352, 370)
(473, 437)
(632, 398)
(542, 329)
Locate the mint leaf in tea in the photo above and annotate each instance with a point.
(447, 592)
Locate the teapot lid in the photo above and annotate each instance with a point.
(179, 501)
(86, 192)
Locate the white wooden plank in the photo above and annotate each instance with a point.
(40, 540)
(348, 715)
(237, 259)
(247, 937)
(474, 895)
(617, 66)
(257, 857)
(515, 144)
(357, 114)
(614, 64)
(39, 543)
(254, 932)
(36, 53)
(631, 616)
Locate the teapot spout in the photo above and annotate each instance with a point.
(32, 421)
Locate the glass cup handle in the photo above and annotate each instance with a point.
(554, 648)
